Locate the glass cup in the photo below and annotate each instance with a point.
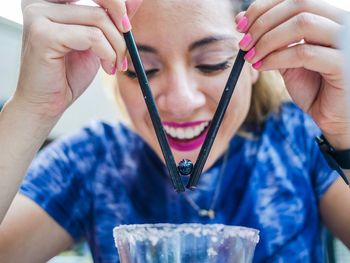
(186, 243)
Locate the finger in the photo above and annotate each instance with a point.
(311, 28)
(311, 57)
(239, 16)
(263, 17)
(91, 16)
(118, 13)
(255, 10)
(83, 38)
(131, 5)
(62, 1)
(25, 3)
(315, 59)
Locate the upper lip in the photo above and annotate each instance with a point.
(183, 124)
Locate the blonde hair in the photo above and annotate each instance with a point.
(268, 93)
(113, 92)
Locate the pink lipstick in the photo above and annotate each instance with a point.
(186, 136)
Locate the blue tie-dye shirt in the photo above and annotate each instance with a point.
(106, 175)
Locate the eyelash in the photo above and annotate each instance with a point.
(149, 73)
(205, 68)
(209, 69)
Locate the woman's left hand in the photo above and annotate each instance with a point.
(299, 38)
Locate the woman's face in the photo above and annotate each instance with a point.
(187, 48)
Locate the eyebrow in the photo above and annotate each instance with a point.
(147, 49)
(209, 40)
(197, 44)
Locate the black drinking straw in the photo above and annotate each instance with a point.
(217, 119)
(153, 111)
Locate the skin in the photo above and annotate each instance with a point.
(181, 77)
(66, 44)
(314, 81)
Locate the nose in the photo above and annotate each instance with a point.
(180, 95)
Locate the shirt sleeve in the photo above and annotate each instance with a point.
(301, 130)
(56, 181)
(322, 175)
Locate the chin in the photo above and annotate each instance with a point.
(187, 148)
(189, 155)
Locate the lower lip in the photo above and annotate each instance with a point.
(188, 145)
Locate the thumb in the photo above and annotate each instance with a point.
(132, 6)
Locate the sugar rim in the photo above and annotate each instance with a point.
(143, 232)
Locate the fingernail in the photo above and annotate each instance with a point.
(125, 64)
(238, 17)
(250, 55)
(242, 24)
(114, 69)
(257, 65)
(246, 40)
(126, 23)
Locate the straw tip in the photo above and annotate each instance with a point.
(180, 190)
(191, 187)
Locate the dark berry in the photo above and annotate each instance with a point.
(185, 167)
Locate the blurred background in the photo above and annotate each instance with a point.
(96, 103)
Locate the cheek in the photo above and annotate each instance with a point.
(132, 98)
(213, 88)
(240, 101)
(242, 95)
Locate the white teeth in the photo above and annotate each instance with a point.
(197, 131)
(166, 129)
(189, 133)
(180, 133)
(172, 132)
(185, 133)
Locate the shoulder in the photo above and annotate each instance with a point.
(97, 142)
(287, 139)
(76, 171)
(101, 134)
(291, 125)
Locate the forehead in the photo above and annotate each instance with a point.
(164, 19)
(182, 6)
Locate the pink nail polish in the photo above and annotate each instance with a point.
(250, 55)
(246, 40)
(114, 69)
(242, 24)
(257, 65)
(126, 23)
(125, 64)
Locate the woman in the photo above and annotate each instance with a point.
(264, 171)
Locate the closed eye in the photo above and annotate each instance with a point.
(150, 73)
(213, 68)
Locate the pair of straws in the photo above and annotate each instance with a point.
(158, 127)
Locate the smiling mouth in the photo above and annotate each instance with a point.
(186, 136)
(185, 133)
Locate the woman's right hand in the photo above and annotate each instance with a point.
(64, 45)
